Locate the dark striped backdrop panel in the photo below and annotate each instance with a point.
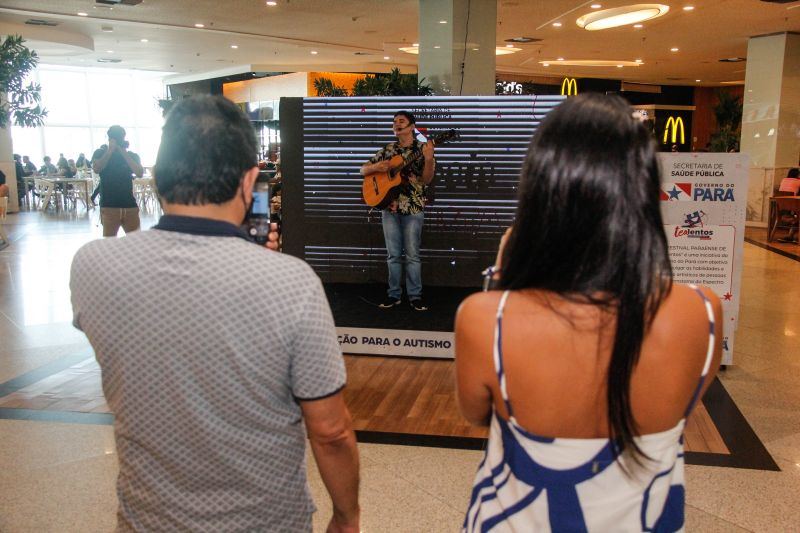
(475, 183)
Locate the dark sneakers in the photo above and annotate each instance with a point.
(418, 305)
(388, 303)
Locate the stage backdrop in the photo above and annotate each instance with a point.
(326, 140)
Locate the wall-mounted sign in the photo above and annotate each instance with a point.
(674, 124)
(569, 87)
(509, 87)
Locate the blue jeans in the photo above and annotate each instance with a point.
(403, 233)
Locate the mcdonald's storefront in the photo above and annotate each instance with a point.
(668, 109)
(671, 124)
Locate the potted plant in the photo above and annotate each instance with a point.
(17, 101)
(728, 113)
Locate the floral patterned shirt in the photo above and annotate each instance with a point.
(411, 199)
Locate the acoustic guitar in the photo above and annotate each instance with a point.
(380, 188)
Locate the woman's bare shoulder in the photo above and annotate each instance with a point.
(479, 303)
(682, 321)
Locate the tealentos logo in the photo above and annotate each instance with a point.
(693, 227)
(687, 192)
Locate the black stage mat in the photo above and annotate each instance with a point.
(356, 306)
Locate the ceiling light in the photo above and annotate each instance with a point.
(593, 63)
(83, 14)
(673, 49)
(499, 51)
(557, 24)
(502, 51)
(595, 6)
(415, 44)
(386, 57)
(144, 40)
(621, 16)
(475, 49)
(109, 51)
(560, 59)
(199, 25)
(545, 64)
(509, 46)
(698, 81)
(442, 22)
(688, 8)
(234, 46)
(314, 52)
(272, 3)
(638, 61)
(437, 46)
(638, 25)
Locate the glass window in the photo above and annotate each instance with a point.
(110, 98)
(83, 103)
(69, 141)
(28, 141)
(64, 97)
(145, 142)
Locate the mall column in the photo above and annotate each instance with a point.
(771, 115)
(457, 40)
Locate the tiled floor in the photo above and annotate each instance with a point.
(59, 477)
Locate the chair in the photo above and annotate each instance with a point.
(4, 242)
(48, 193)
(145, 193)
(783, 213)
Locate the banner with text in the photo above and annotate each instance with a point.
(396, 342)
(704, 198)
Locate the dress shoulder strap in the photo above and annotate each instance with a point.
(498, 352)
(709, 353)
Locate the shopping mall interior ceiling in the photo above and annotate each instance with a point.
(364, 36)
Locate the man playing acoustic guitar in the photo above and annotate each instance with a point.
(403, 217)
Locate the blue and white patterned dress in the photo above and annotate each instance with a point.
(531, 483)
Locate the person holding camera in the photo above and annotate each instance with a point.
(235, 367)
(117, 166)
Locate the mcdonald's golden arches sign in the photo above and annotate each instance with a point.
(674, 124)
(569, 87)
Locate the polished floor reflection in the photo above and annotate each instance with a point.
(57, 474)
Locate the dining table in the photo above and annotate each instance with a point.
(55, 188)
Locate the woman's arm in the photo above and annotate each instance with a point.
(474, 364)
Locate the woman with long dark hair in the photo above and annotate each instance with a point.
(588, 361)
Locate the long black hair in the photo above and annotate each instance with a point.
(588, 227)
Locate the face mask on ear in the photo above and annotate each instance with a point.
(247, 206)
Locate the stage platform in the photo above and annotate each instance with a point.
(365, 328)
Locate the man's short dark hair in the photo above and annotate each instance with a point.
(793, 173)
(407, 114)
(117, 133)
(207, 145)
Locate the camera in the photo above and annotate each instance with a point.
(256, 223)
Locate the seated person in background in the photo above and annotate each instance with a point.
(72, 166)
(27, 164)
(4, 190)
(64, 169)
(19, 170)
(82, 162)
(48, 169)
(791, 183)
(586, 422)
